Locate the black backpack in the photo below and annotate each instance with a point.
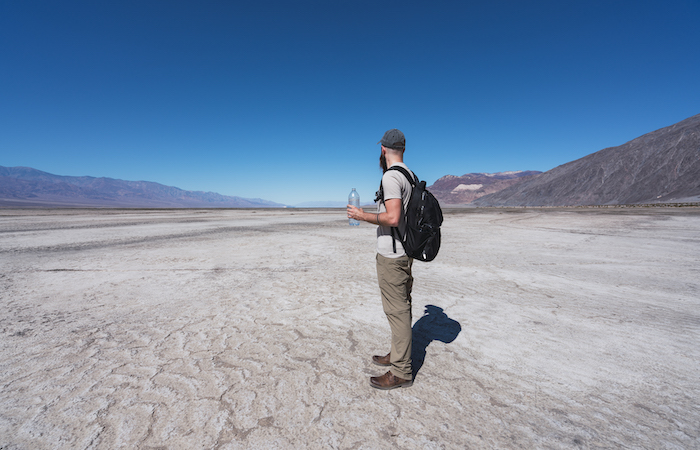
(423, 218)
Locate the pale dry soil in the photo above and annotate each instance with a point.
(235, 329)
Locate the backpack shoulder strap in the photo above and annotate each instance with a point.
(411, 179)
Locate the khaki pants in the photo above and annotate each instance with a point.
(395, 283)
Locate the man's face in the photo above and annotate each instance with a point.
(382, 160)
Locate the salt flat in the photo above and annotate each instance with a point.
(254, 329)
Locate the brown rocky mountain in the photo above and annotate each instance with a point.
(659, 167)
(454, 190)
(24, 186)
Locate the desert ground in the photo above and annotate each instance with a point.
(183, 329)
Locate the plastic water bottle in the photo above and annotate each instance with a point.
(354, 200)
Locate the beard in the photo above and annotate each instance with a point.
(382, 163)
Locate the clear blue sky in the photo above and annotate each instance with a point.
(285, 100)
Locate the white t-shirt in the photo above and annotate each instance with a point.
(395, 185)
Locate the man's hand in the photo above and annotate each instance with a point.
(355, 213)
(390, 218)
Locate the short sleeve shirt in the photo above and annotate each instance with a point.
(395, 185)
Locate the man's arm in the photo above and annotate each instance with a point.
(390, 218)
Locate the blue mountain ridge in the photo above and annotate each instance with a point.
(25, 186)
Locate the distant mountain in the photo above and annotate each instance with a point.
(454, 190)
(661, 166)
(24, 186)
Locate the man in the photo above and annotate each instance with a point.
(393, 265)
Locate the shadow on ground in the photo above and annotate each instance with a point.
(433, 326)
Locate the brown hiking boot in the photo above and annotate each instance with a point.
(389, 381)
(382, 360)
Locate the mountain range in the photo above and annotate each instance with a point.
(24, 186)
(462, 190)
(659, 167)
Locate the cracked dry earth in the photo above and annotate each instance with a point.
(254, 329)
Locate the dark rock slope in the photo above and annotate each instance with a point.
(658, 167)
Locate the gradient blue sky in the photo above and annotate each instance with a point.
(286, 100)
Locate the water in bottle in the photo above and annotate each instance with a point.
(354, 200)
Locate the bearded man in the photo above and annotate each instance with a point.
(393, 265)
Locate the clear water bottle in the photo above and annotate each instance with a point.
(354, 200)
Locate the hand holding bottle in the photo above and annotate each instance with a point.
(353, 200)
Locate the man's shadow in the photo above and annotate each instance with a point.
(433, 326)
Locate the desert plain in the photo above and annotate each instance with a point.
(227, 329)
